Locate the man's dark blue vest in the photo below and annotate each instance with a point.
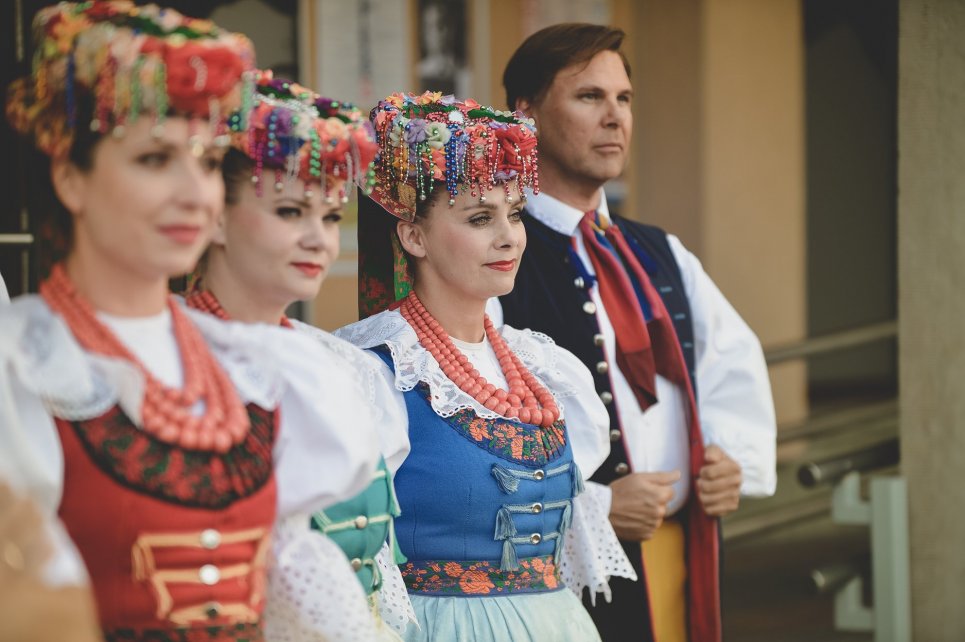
(552, 295)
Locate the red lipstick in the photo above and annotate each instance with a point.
(309, 269)
(183, 234)
(502, 266)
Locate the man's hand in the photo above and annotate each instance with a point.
(639, 503)
(719, 484)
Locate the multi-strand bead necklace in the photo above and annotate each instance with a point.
(168, 414)
(526, 399)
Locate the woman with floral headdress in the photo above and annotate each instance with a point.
(147, 429)
(503, 424)
(287, 176)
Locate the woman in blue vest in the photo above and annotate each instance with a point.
(503, 424)
(287, 176)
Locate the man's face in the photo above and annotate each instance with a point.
(584, 122)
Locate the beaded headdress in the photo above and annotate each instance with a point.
(427, 143)
(429, 139)
(293, 132)
(132, 61)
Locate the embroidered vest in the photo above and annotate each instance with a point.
(361, 525)
(485, 502)
(175, 541)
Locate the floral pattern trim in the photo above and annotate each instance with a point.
(170, 473)
(241, 632)
(510, 440)
(481, 578)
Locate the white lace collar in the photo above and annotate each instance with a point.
(76, 385)
(414, 364)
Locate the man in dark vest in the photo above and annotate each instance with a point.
(692, 420)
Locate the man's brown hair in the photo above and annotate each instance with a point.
(534, 65)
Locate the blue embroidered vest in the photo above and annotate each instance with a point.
(485, 502)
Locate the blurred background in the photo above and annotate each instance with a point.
(767, 138)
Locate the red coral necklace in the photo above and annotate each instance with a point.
(166, 413)
(205, 301)
(526, 398)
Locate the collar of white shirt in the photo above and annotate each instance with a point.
(557, 215)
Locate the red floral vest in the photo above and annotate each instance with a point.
(175, 541)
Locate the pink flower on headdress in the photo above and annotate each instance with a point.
(101, 11)
(196, 73)
(429, 97)
(438, 165)
(511, 139)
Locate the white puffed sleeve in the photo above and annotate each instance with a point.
(733, 389)
(324, 450)
(592, 554)
(313, 594)
(38, 356)
(367, 371)
(587, 421)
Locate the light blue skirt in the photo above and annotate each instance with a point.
(557, 616)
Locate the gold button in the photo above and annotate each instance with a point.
(598, 339)
(356, 564)
(537, 508)
(606, 397)
(209, 574)
(602, 367)
(589, 307)
(622, 468)
(615, 435)
(361, 521)
(539, 475)
(212, 609)
(579, 282)
(535, 538)
(210, 539)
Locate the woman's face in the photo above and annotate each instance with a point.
(471, 248)
(281, 244)
(147, 205)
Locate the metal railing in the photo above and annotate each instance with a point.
(831, 342)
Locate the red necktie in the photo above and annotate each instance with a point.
(643, 349)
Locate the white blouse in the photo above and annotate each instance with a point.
(592, 553)
(44, 373)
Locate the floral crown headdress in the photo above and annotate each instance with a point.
(131, 61)
(294, 132)
(434, 138)
(426, 142)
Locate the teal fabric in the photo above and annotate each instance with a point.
(378, 506)
(557, 616)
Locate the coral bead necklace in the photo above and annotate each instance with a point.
(205, 301)
(526, 399)
(166, 413)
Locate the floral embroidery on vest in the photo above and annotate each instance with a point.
(511, 440)
(535, 575)
(190, 478)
